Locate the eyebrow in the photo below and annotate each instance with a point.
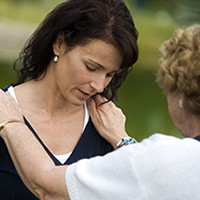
(101, 66)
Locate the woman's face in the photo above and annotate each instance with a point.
(85, 70)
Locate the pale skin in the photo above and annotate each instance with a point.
(46, 180)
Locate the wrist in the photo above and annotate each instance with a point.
(114, 139)
(125, 141)
(6, 125)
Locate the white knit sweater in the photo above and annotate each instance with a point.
(159, 168)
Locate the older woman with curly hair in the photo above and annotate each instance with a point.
(160, 167)
(179, 77)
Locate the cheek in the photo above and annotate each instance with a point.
(173, 112)
(170, 111)
(81, 77)
(176, 117)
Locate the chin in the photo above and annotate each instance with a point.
(78, 102)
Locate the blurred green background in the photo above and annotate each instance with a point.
(140, 98)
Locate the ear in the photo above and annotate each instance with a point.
(59, 45)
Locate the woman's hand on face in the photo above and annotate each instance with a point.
(108, 119)
(9, 110)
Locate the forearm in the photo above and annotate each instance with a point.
(35, 168)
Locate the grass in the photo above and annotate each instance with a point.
(140, 98)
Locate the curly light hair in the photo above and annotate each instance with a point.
(179, 69)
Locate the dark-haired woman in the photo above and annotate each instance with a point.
(83, 47)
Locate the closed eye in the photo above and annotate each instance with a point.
(91, 69)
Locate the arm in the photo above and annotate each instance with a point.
(35, 168)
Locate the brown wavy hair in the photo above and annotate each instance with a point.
(81, 21)
(180, 66)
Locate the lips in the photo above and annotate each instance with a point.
(84, 95)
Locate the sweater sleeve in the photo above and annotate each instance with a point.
(103, 177)
(160, 167)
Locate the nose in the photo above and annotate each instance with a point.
(98, 84)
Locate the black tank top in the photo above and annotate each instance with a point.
(12, 188)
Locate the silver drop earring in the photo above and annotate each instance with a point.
(180, 103)
(55, 59)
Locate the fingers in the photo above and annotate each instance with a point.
(92, 109)
(105, 112)
(1, 92)
(91, 105)
(99, 100)
(4, 94)
(103, 105)
(8, 107)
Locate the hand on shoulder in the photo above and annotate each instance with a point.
(108, 119)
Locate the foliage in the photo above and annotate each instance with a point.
(7, 74)
(26, 10)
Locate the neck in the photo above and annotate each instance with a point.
(45, 96)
